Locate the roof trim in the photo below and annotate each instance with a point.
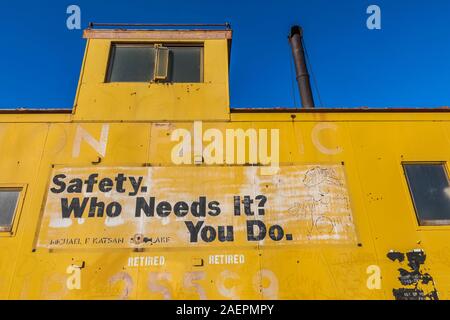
(338, 110)
(35, 111)
(264, 110)
(196, 34)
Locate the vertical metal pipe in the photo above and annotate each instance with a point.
(301, 70)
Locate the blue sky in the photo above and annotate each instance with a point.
(405, 64)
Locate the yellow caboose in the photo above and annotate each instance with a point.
(153, 188)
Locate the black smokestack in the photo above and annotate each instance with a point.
(301, 70)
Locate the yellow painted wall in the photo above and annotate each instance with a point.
(136, 121)
(153, 101)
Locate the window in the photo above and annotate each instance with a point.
(184, 64)
(132, 63)
(430, 191)
(9, 199)
(156, 63)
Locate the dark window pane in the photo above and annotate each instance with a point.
(185, 64)
(430, 190)
(8, 203)
(132, 64)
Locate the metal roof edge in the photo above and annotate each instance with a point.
(35, 111)
(337, 110)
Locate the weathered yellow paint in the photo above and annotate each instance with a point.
(152, 101)
(130, 126)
